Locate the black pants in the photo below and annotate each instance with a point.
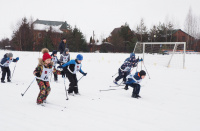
(65, 72)
(73, 86)
(136, 88)
(121, 75)
(4, 71)
(55, 77)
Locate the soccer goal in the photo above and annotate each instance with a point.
(169, 54)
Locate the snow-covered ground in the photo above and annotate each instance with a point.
(170, 98)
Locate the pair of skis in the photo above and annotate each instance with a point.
(113, 88)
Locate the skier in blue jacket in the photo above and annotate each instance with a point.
(72, 67)
(5, 62)
(133, 81)
(125, 68)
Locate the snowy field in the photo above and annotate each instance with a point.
(170, 98)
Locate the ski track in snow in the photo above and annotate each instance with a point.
(170, 99)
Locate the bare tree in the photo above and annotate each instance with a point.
(189, 26)
(141, 29)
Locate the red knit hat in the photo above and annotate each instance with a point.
(46, 55)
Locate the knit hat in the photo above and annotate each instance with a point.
(46, 55)
(9, 55)
(54, 52)
(79, 57)
(132, 55)
(142, 73)
(66, 50)
(63, 38)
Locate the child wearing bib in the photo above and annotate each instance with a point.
(73, 67)
(5, 62)
(42, 73)
(64, 58)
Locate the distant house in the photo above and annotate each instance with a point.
(115, 31)
(197, 45)
(106, 47)
(55, 29)
(181, 36)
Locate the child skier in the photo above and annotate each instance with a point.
(133, 81)
(42, 72)
(55, 61)
(72, 67)
(5, 62)
(125, 68)
(64, 58)
(129, 58)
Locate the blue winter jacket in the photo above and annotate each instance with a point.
(133, 78)
(5, 59)
(71, 65)
(128, 64)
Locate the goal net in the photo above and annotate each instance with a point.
(169, 54)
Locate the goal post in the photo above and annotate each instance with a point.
(172, 49)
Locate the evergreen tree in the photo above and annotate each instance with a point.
(22, 38)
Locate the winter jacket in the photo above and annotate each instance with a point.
(62, 47)
(5, 62)
(64, 58)
(55, 60)
(128, 64)
(73, 66)
(38, 70)
(133, 78)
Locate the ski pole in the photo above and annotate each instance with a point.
(115, 74)
(80, 78)
(52, 73)
(28, 86)
(146, 69)
(51, 77)
(137, 64)
(13, 71)
(65, 89)
(110, 89)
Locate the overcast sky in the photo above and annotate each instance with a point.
(100, 16)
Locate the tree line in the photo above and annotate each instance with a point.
(122, 39)
(24, 39)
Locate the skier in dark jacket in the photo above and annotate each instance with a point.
(125, 68)
(73, 67)
(133, 81)
(5, 62)
(62, 45)
(55, 61)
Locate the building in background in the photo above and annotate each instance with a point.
(44, 30)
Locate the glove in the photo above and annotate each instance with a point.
(84, 74)
(137, 59)
(36, 74)
(17, 58)
(60, 66)
(141, 59)
(8, 58)
(62, 73)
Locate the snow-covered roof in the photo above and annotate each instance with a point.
(47, 27)
(57, 26)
